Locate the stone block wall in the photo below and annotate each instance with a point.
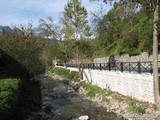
(136, 86)
(126, 58)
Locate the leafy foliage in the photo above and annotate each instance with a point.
(83, 49)
(74, 20)
(8, 90)
(125, 29)
(64, 51)
(19, 50)
(50, 30)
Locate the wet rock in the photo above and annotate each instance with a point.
(48, 108)
(60, 118)
(44, 104)
(84, 117)
(57, 77)
(59, 89)
(67, 82)
(45, 99)
(76, 87)
(82, 91)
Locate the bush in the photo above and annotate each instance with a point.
(8, 90)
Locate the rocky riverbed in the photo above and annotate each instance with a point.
(60, 101)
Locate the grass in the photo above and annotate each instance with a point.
(93, 90)
(136, 109)
(119, 50)
(8, 90)
(118, 98)
(67, 74)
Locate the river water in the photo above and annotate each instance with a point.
(61, 102)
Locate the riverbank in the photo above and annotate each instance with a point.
(114, 102)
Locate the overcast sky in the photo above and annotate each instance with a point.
(16, 12)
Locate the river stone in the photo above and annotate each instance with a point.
(67, 82)
(84, 117)
(76, 87)
(60, 89)
(48, 108)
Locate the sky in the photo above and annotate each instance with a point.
(17, 12)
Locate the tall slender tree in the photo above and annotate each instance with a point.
(75, 20)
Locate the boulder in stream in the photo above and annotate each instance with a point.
(84, 117)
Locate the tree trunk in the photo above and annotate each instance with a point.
(65, 64)
(155, 57)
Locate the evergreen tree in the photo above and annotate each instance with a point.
(74, 20)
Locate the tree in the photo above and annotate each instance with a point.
(64, 51)
(23, 48)
(74, 20)
(48, 29)
(84, 50)
(113, 31)
(152, 5)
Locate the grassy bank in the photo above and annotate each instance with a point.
(67, 74)
(9, 88)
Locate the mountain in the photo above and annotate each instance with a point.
(4, 30)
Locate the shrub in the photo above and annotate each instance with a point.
(8, 90)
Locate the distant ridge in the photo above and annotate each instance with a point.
(4, 29)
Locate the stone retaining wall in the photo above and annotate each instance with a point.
(126, 58)
(136, 86)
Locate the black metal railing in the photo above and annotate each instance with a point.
(139, 67)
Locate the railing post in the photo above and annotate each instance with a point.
(129, 67)
(93, 66)
(109, 66)
(121, 66)
(115, 65)
(105, 66)
(100, 67)
(139, 67)
(151, 68)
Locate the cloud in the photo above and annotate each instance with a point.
(21, 12)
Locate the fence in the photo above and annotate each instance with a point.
(139, 67)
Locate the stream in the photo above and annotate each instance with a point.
(61, 102)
